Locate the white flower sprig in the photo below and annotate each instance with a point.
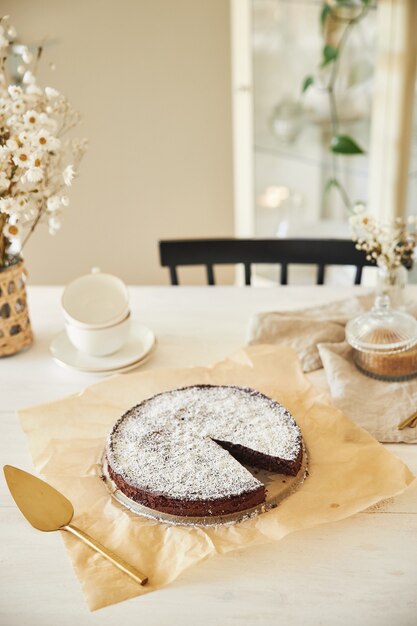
(390, 245)
(37, 161)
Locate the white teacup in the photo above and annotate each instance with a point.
(96, 313)
(99, 341)
(95, 300)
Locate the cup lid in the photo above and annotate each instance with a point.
(382, 329)
(96, 299)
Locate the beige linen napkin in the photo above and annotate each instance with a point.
(304, 329)
(376, 405)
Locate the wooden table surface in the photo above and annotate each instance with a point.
(360, 571)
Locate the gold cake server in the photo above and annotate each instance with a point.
(47, 509)
(411, 422)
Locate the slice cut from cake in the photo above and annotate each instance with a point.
(181, 452)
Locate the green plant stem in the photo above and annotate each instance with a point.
(336, 63)
(334, 117)
(330, 88)
(342, 191)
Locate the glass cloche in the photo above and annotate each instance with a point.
(384, 342)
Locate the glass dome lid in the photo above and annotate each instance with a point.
(382, 329)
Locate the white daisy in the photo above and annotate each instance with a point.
(25, 137)
(28, 78)
(68, 175)
(51, 93)
(21, 158)
(27, 56)
(36, 159)
(11, 231)
(18, 107)
(31, 118)
(40, 140)
(15, 92)
(53, 203)
(34, 90)
(21, 204)
(45, 141)
(34, 174)
(15, 247)
(8, 205)
(54, 224)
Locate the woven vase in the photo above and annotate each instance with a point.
(15, 329)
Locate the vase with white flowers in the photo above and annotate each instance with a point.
(392, 247)
(38, 162)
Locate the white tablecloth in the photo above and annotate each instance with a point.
(362, 570)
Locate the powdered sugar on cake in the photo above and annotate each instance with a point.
(167, 444)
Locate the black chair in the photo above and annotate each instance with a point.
(210, 252)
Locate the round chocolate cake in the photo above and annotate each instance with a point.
(181, 452)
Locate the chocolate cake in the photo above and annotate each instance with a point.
(181, 452)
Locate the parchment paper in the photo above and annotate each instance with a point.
(348, 471)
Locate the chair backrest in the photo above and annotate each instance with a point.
(210, 252)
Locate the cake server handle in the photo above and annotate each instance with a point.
(108, 554)
(411, 422)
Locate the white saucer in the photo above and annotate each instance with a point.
(139, 345)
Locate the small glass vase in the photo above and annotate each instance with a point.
(392, 282)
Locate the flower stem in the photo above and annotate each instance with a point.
(3, 220)
(33, 226)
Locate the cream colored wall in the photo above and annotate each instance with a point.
(152, 80)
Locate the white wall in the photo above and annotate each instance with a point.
(152, 80)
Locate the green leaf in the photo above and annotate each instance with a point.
(330, 53)
(343, 144)
(307, 82)
(324, 14)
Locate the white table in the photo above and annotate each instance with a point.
(361, 571)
